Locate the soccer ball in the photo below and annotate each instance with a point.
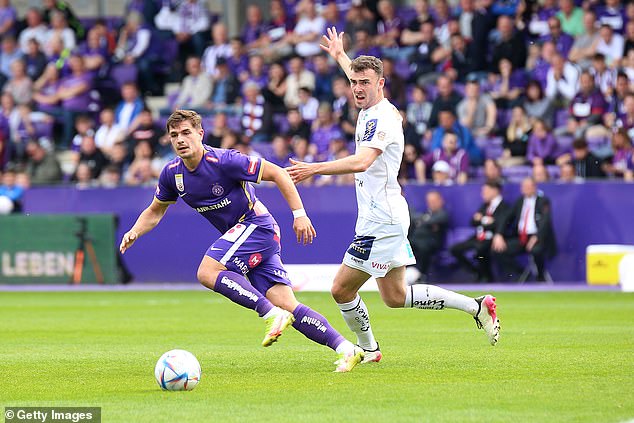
(177, 370)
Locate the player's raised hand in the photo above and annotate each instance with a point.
(304, 230)
(334, 43)
(127, 241)
(300, 171)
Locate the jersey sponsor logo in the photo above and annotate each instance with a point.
(240, 290)
(224, 203)
(234, 233)
(380, 135)
(180, 184)
(240, 265)
(280, 273)
(254, 260)
(430, 304)
(361, 247)
(370, 129)
(253, 165)
(217, 190)
(380, 266)
(315, 322)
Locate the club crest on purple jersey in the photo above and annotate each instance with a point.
(217, 190)
(180, 185)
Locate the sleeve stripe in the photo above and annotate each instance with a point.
(164, 202)
(262, 161)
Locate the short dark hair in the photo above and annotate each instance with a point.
(362, 63)
(579, 144)
(493, 183)
(180, 116)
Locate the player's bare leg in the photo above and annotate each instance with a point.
(396, 293)
(345, 291)
(235, 287)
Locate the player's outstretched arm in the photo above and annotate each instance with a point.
(301, 223)
(334, 47)
(358, 162)
(147, 220)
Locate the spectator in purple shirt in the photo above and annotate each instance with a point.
(95, 54)
(622, 165)
(254, 27)
(364, 45)
(613, 14)
(238, 61)
(587, 109)
(324, 129)
(8, 17)
(542, 147)
(563, 42)
(45, 89)
(540, 71)
(191, 28)
(280, 154)
(456, 157)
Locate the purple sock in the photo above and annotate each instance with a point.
(315, 327)
(240, 291)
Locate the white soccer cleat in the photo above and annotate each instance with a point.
(372, 356)
(487, 319)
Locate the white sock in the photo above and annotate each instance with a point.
(346, 347)
(356, 315)
(431, 297)
(272, 312)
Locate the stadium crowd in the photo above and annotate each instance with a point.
(487, 88)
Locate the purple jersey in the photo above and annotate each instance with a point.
(218, 188)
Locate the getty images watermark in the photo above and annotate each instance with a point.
(53, 414)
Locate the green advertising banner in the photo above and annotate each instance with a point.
(58, 249)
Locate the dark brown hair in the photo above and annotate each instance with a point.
(180, 116)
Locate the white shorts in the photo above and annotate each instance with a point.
(377, 248)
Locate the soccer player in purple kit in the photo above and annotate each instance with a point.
(216, 183)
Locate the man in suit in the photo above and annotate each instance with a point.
(427, 232)
(485, 220)
(531, 231)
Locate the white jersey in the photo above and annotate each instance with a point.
(379, 196)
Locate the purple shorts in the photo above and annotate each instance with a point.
(252, 251)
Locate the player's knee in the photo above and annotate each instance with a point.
(207, 277)
(341, 294)
(394, 300)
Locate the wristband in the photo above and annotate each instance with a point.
(299, 213)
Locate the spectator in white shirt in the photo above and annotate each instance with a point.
(220, 47)
(35, 29)
(308, 30)
(59, 26)
(108, 133)
(562, 80)
(196, 87)
(298, 77)
(610, 45)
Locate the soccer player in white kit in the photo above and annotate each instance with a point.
(380, 247)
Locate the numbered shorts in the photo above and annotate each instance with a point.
(377, 248)
(253, 251)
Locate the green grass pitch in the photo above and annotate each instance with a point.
(562, 357)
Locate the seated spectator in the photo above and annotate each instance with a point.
(120, 157)
(256, 72)
(307, 105)
(129, 107)
(92, 156)
(95, 54)
(542, 147)
(612, 14)
(195, 89)
(58, 55)
(629, 37)
(622, 165)
(110, 177)
(52, 6)
(84, 127)
(538, 69)
(537, 105)
(456, 157)
(272, 44)
(509, 45)
(448, 122)
(447, 99)
(419, 110)
(364, 45)
(587, 109)
(493, 171)
(281, 152)
(567, 173)
(359, 17)
(83, 177)
(625, 120)
(344, 114)
(616, 99)
(586, 164)
(527, 228)
(218, 129)
(59, 28)
(308, 30)
(516, 138)
(571, 18)
(142, 171)
(611, 45)
(34, 60)
(19, 85)
(561, 81)
(427, 232)
(108, 133)
(35, 29)
(301, 152)
(395, 88)
(412, 166)
(275, 89)
(9, 53)
(297, 127)
(145, 130)
(507, 86)
(477, 111)
(254, 26)
(538, 25)
(426, 57)
(460, 64)
(584, 47)
(485, 220)
(226, 88)
(43, 168)
(257, 117)
(297, 78)
(324, 130)
(191, 28)
(562, 41)
(220, 47)
(604, 77)
(11, 190)
(324, 77)
(540, 173)
(238, 62)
